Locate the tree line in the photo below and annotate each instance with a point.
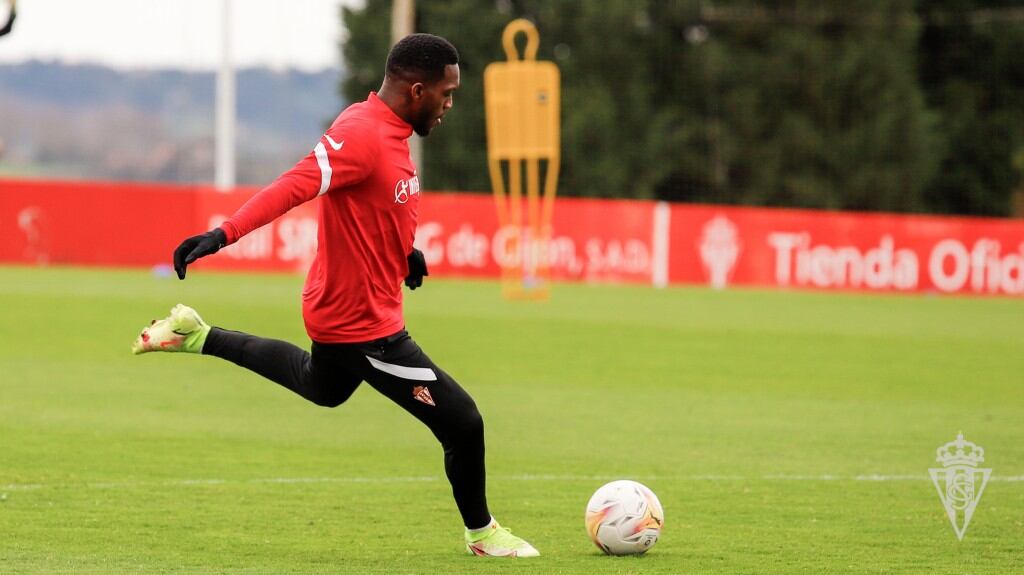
(896, 105)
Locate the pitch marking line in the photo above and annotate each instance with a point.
(435, 478)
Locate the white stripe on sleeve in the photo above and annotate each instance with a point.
(325, 167)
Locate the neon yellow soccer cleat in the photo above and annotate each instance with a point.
(183, 330)
(498, 541)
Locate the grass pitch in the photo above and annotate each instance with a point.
(784, 432)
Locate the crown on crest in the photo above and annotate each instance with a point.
(960, 452)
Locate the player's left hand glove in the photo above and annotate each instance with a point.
(417, 269)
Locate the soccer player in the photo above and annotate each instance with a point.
(352, 301)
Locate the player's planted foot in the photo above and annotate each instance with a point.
(497, 541)
(183, 330)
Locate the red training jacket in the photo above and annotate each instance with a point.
(367, 222)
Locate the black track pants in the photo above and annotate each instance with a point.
(396, 367)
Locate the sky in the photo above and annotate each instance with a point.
(175, 33)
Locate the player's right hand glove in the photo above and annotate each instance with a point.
(417, 269)
(196, 247)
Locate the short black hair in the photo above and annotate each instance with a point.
(421, 57)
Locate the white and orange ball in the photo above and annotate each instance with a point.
(624, 518)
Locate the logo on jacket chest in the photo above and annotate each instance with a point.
(406, 189)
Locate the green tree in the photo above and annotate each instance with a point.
(809, 105)
(784, 103)
(972, 70)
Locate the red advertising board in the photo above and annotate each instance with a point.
(849, 251)
(92, 223)
(593, 240)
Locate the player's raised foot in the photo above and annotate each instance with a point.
(497, 541)
(183, 330)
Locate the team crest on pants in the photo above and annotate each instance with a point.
(960, 482)
(422, 395)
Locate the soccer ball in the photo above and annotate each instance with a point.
(624, 518)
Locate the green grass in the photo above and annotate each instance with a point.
(111, 463)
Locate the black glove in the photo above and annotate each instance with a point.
(196, 247)
(417, 269)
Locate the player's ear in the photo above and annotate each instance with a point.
(417, 90)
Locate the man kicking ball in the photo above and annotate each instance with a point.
(352, 300)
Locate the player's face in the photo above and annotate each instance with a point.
(435, 100)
